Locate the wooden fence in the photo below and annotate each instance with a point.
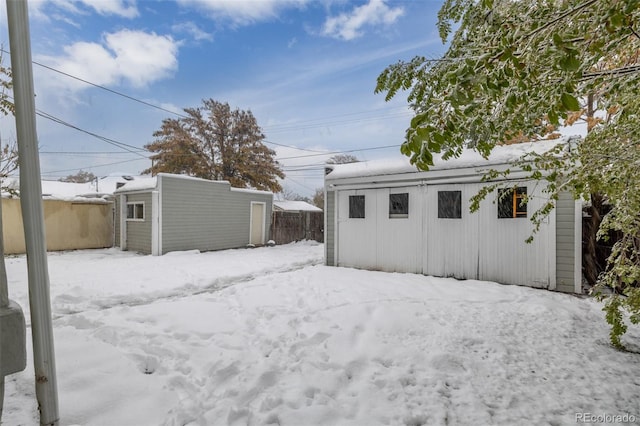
(287, 227)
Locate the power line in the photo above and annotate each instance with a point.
(312, 121)
(115, 92)
(110, 141)
(92, 167)
(87, 153)
(290, 146)
(333, 123)
(342, 152)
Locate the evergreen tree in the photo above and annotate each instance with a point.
(218, 143)
(518, 70)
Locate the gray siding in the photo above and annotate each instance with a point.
(565, 243)
(329, 229)
(139, 232)
(116, 221)
(207, 215)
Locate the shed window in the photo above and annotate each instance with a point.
(356, 206)
(399, 205)
(135, 211)
(512, 203)
(450, 204)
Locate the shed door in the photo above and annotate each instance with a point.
(257, 224)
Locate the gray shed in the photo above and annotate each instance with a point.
(387, 215)
(173, 212)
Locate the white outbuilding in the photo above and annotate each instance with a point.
(386, 215)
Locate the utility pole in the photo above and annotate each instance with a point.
(32, 213)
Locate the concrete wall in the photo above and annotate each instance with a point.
(68, 225)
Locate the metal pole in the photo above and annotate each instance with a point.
(32, 213)
(4, 296)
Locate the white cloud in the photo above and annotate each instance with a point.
(135, 57)
(242, 12)
(168, 106)
(123, 8)
(193, 30)
(348, 26)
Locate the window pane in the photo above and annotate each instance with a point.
(512, 203)
(135, 211)
(399, 205)
(450, 204)
(356, 206)
(520, 203)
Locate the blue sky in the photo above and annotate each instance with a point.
(306, 69)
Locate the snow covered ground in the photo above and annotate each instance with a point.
(271, 336)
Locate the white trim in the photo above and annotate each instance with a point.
(160, 214)
(123, 222)
(577, 248)
(154, 224)
(264, 213)
(552, 259)
(135, 219)
(337, 230)
(463, 175)
(326, 222)
(138, 191)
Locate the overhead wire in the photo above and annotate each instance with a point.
(303, 125)
(115, 92)
(99, 165)
(342, 152)
(126, 147)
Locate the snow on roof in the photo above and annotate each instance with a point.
(57, 190)
(71, 191)
(503, 154)
(139, 184)
(148, 183)
(301, 206)
(109, 184)
(251, 191)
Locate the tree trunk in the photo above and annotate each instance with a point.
(590, 263)
(590, 266)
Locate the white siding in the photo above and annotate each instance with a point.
(357, 237)
(504, 255)
(476, 246)
(378, 241)
(399, 239)
(451, 245)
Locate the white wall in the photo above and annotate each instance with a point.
(476, 246)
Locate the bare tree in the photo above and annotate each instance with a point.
(343, 159)
(80, 177)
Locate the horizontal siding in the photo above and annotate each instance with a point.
(565, 243)
(139, 232)
(116, 221)
(207, 215)
(330, 220)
